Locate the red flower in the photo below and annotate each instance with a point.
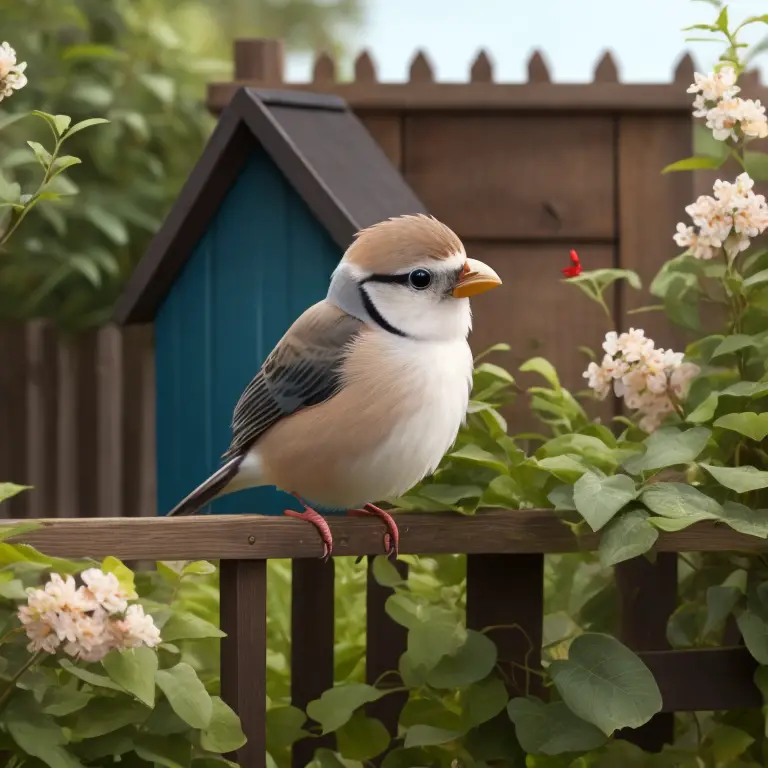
(575, 268)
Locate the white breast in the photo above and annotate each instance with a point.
(425, 408)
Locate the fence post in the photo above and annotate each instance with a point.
(385, 642)
(312, 630)
(244, 652)
(259, 60)
(648, 599)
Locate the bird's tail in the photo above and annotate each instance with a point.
(209, 490)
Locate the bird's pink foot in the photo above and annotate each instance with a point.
(311, 516)
(392, 537)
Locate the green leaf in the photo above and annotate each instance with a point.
(134, 670)
(428, 736)
(598, 499)
(680, 501)
(100, 681)
(106, 221)
(101, 716)
(50, 119)
(37, 734)
(564, 467)
(752, 425)
(186, 694)
(123, 574)
(739, 479)
(161, 86)
(41, 153)
(285, 725)
(362, 738)
(667, 447)
(754, 630)
(495, 372)
(552, 729)
(429, 641)
(61, 122)
(336, 705)
(187, 626)
(731, 344)
(694, 164)
(62, 163)
(477, 455)
(168, 751)
(704, 143)
(721, 601)
(482, 701)
(501, 347)
(198, 568)
(9, 490)
(164, 721)
(12, 589)
(472, 662)
(747, 389)
(705, 410)
(18, 529)
(756, 164)
(752, 522)
(727, 744)
(606, 684)
(385, 572)
(61, 702)
(626, 536)
(758, 278)
(224, 733)
(85, 124)
(543, 368)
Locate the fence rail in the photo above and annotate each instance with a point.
(505, 563)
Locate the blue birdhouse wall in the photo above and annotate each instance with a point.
(262, 261)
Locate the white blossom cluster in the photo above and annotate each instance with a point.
(728, 115)
(643, 375)
(88, 621)
(12, 75)
(726, 221)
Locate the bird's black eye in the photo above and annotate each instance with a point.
(420, 279)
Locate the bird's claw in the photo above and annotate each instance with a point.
(311, 516)
(392, 536)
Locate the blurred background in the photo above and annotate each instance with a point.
(144, 65)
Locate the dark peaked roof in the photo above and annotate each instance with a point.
(322, 149)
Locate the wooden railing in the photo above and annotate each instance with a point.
(505, 562)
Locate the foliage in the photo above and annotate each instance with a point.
(143, 65)
(142, 707)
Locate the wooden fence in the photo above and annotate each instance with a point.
(505, 557)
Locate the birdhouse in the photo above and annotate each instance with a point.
(284, 183)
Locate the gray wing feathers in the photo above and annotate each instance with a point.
(303, 370)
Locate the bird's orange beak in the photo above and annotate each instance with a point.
(476, 278)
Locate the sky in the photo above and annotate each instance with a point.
(644, 36)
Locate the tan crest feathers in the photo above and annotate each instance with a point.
(402, 242)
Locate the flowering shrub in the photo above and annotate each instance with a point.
(99, 665)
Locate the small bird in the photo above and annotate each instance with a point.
(367, 390)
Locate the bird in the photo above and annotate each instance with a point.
(367, 390)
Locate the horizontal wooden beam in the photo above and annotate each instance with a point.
(253, 537)
(704, 679)
(529, 97)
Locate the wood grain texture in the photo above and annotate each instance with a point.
(648, 598)
(517, 612)
(386, 641)
(41, 418)
(603, 98)
(312, 635)
(13, 416)
(514, 176)
(387, 131)
(649, 207)
(254, 537)
(704, 679)
(244, 653)
(539, 315)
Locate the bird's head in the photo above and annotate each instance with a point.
(411, 276)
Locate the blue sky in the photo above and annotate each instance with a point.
(644, 35)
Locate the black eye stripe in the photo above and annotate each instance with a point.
(397, 279)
